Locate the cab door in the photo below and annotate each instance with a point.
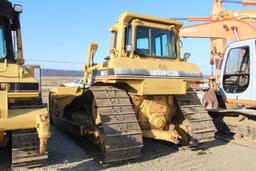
(237, 72)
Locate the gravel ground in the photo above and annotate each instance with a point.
(217, 155)
(66, 154)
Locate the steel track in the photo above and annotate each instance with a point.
(200, 124)
(25, 150)
(120, 127)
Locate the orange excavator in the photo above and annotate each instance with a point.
(221, 26)
(231, 98)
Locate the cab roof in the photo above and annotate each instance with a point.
(128, 16)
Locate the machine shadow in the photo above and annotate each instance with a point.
(153, 149)
(223, 131)
(5, 158)
(61, 150)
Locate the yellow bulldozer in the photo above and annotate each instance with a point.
(142, 89)
(24, 120)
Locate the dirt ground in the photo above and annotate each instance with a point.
(217, 155)
(66, 154)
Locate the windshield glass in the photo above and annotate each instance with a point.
(155, 42)
(2, 44)
(237, 70)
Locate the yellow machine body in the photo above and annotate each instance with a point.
(151, 93)
(20, 118)
(143, 70)
(24, 118)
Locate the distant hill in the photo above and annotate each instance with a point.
(56, 72)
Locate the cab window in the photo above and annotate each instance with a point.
(2, 43)
(155, 42)
(163, 43)
(142, 42)
(128, 36)
(114, 40)
(237, 70)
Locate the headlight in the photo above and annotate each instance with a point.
(18, 8)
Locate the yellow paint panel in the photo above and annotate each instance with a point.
(159, 87)
(3, 104)
(23, 94)
(16, 74)
(66, 91)
(21, 119)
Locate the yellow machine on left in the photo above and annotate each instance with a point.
(24, 121)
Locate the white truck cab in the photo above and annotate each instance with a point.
(238, 77)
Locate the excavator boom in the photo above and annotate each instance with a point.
(221, 26)
(231, 29)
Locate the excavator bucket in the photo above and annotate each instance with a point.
(210, 100)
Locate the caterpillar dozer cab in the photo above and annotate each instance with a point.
(230, 99)
(140, 90)
(24, 121)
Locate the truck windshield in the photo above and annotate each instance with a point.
(155, 42)
(2, 44)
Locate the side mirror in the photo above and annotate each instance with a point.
(186, 56)
(129, 48)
